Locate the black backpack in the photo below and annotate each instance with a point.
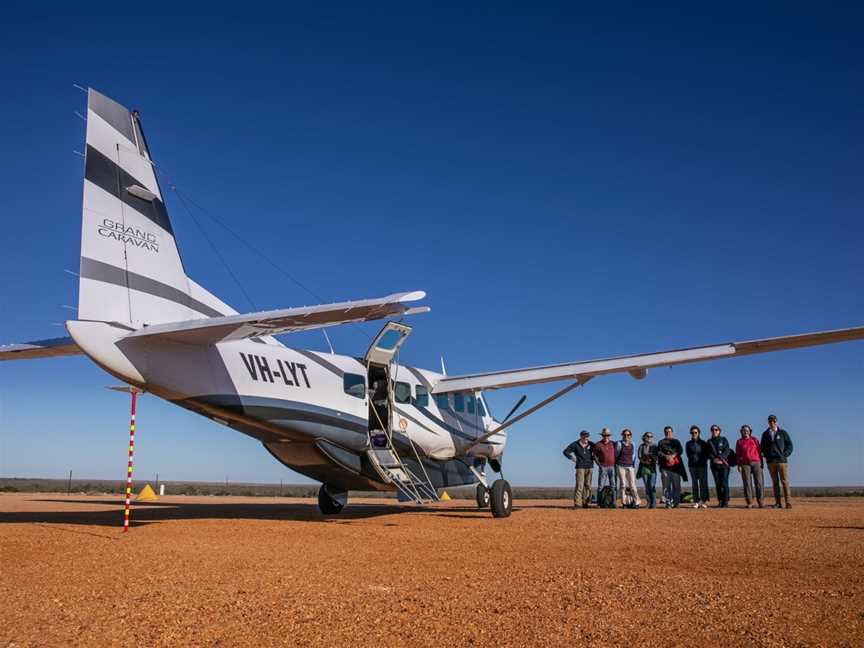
(606, 497)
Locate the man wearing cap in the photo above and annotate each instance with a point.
(581, 453)
(776, 448)
(604, 455)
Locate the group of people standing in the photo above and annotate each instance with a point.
(621, 463)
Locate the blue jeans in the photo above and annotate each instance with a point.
(607, 474)
(700, 483)
(671, 487)
(650, 482)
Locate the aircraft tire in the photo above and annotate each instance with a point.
(326, 504)
(483, 496)
(501, 498)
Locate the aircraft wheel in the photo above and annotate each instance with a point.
(328, 504)
(501, 498)
(482, 496)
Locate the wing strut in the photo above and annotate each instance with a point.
(561, 392)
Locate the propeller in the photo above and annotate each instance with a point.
(515, 407)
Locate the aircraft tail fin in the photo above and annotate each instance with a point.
(131, 271)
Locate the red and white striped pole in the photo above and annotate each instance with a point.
(134, 393)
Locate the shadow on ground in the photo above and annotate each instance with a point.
(144, 514)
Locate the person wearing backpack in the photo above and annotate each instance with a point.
(672, 470)
(719, 455)
(625, 469)
(604, 456)
(776, 448)
(580, 452)
(750, 464)
(647, 472)
(697, 463)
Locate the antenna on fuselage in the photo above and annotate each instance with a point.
(443, 368)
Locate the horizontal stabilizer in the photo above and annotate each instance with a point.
(637, 365)
(52, 348)
(275, 322)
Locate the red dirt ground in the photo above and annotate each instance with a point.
(264, 572)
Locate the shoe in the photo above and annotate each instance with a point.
(788, 505)
(585, 506)
(696, 505)
(776, 506)
(749, 506)
(761, 505)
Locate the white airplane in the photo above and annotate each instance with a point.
(365, 423)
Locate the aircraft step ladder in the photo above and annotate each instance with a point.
(395, 471)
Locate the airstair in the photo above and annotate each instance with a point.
(405, 470)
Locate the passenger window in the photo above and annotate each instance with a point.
(402, 392)
(441, 401)
(354, 385)
(422, 399)
(480, 409)
(469, 404)
(459, 402)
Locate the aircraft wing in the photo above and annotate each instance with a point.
(252, 325)
(638, 365)
(52, 348)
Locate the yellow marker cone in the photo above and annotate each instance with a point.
(445, 497)
(146, 495)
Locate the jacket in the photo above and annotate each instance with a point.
(668, 447)
(647, 454)
(697, 453)
(778, 449)
(718, 448)
(582, 457)
(747, 451)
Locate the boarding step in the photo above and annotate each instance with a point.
(394, 471)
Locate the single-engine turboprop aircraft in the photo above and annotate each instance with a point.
(351, 423)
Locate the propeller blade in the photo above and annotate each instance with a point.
(515, 407)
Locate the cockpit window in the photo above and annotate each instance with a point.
(459, 402)
(422, 399)
(480, 409)
(469, 404)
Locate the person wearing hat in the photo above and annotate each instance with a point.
(647, 472)
(721, 457)
(580, 452)
(604, 456)
(776, 448)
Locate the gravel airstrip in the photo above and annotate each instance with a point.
(232, 571)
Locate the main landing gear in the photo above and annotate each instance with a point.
(501, 498)
(483, 496)
(331, 502)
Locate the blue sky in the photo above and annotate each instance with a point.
(565, 183)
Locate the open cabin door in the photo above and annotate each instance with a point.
(384, 347)
(386, 344)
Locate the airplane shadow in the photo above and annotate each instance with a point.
(155, 512)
